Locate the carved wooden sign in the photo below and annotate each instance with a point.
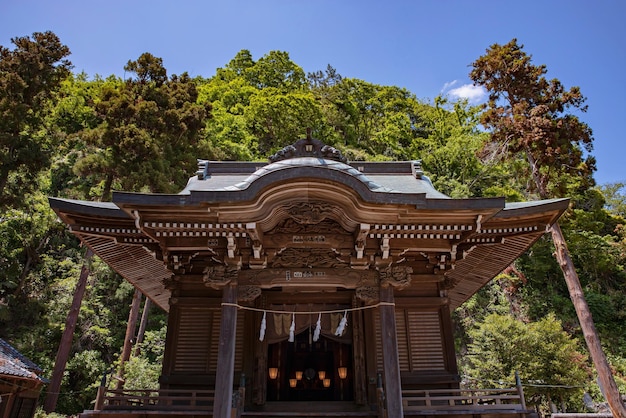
(304, 277)
(308, 240)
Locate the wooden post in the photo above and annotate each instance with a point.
(605, 374)
(133, 315)
(520, 390)
(380, 397)
(65, 346)
(142, 326)
(101, 393)
(224, 377)
(358, 352)
(391, 362)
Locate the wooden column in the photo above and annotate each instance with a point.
(129, 339)
(259, 378)
(65, 346)
(358, 351)
(224, 376)
(391, 363)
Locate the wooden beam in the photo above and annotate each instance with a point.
(226, 355)
(391, 363)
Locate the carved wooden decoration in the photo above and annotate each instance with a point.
(248, 293)
(310, 213)
(307, 258)
(396, 276)
(368, 294)
(219, 276)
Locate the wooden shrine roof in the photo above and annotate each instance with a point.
(354, 217)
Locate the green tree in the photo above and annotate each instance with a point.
(380, 121)
(276, 70)
(29, 75)
(25, 236)
(615, 199)
(278, 119)
(546, 357)
(528, 117)
(227, 135)
(148, 131)
(450, 149)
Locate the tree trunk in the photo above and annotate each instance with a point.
(106, 189)
(605, 376)
(133, 315)
(65, 346)
(142, 326)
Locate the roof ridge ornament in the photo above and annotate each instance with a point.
(308, 147)
(203, 169)
(416, 168)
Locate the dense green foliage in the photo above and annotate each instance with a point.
(70, 135)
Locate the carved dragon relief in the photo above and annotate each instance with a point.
(368, 294)
(290, 226)
(219, 276)
(310, 213)
(248, 293)
(307, 258)
(397, 276)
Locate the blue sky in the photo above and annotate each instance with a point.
(426, 46)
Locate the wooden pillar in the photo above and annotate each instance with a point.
(358, 352)
(224, 376)
(129, 339)
(142, 326)
(391, 362)
(65, 346)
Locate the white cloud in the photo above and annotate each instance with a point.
(449, 85)
(473, 94)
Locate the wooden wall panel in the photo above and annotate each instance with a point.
(197, 342)
(379, 342)
(420, 340)
(403, 341)
(426, 341)
(215, 331)
(193, 342)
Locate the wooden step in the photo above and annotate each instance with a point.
(310, 409)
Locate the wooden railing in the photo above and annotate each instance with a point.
(180, 400)
(166, 399)
(463, 399)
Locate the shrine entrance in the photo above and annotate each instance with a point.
(307, 370)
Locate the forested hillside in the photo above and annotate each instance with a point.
(81, 136)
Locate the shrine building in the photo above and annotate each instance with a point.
(308, 286)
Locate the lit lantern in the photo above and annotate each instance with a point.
(273, 372)
(293, 383)
(343, 372)
(326, 383)
(299, 375)
(321, 374)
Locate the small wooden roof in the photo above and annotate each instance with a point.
(14, 365)
(308, 208)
